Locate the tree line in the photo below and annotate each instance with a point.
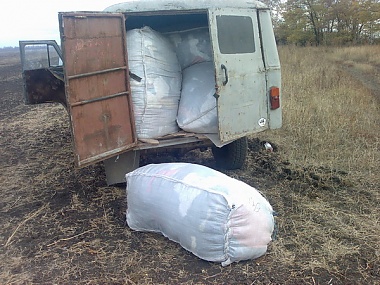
(326, 22)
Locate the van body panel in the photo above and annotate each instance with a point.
(97, 85)
(240, 72)
(272, 64)
(178, 5)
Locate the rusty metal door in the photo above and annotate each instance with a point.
(240, 73)
(97, 85)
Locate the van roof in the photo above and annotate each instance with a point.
(167, 5)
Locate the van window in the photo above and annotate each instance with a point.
(235, 34)
(167, 23)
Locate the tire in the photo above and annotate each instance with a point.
(231, 156)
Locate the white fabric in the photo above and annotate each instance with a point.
(214, 216)
(197, 108)
(155, 98)
(192, 46)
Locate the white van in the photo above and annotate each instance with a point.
(93, 81)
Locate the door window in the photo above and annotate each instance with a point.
(235, 34)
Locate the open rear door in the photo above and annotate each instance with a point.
(240, 73)
(97, 84)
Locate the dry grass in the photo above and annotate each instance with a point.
(358, 54)
(331, 125)
(330, 119)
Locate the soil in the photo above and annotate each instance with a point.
(62, 225)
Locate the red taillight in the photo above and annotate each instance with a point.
(274, 95)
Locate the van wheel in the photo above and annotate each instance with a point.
(231, 156)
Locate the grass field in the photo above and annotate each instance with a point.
(332, 126)
(331, 118)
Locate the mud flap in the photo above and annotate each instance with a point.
(116, 167)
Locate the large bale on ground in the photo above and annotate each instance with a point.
(155, 98)
(197, 107)
(214, 216)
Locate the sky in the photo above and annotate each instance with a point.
(38, 19)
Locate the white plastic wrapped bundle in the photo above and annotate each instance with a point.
(155, 98)
(197, 107)
(192, 46)
(214, 216)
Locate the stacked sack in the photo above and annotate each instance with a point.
(177, 83)
(156, 97)
(191, 46)
(197, 108)
(210, 214)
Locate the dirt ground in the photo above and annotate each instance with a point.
(61, 225)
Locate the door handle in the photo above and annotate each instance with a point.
(225, 74)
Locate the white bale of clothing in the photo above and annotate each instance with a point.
(155, 97)
(197, 110)
(192, 46)
(210, 214)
